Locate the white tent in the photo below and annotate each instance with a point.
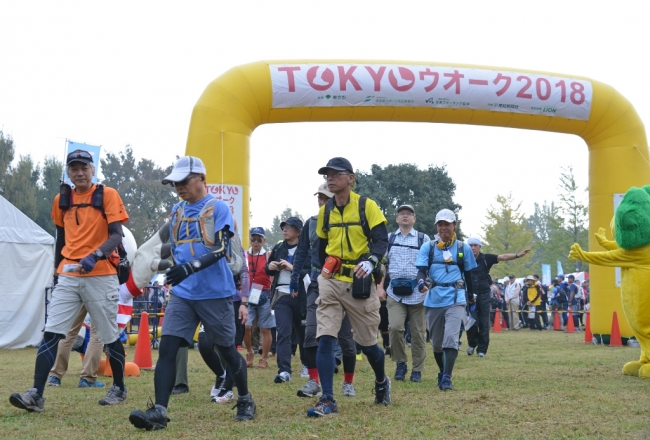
(27, 255)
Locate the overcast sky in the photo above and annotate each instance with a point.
(123, 73)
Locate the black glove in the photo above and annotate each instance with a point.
(178, 273)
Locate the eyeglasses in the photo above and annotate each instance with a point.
(335, 175)
(184, 182)
(257, 239)
(406, 213)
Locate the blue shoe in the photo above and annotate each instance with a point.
(445, 383)
(416, 376)
(400, 371)
(83, 383)
(382, 392)
(54, 381)
(439, 379)
(324, 407)
(282, 377)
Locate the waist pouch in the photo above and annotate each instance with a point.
(403, 286)
(361, 287)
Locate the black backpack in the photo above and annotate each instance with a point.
(362, 220)
(561, 295)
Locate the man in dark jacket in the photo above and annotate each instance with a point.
(288, 315)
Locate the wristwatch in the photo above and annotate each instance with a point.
(99, 254)
(196, 264)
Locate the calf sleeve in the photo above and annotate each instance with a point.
(165, 373)
(450, 355)
(210, 355)
(325, 363)
(45, 358)
(310, 357)
(235, 368)
(375, 357)
(349, 363)
(116, 360)
(439, 360)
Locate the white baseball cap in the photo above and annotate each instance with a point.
(474, 240)
(446, 215)
(184, 167)
(323, 189)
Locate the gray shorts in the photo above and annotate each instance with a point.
(98, 294)
(265, 319)
(182, 317)
(444, 326)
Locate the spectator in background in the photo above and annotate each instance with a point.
(544, 302)
(533, 296)
(574, 291)
(564, 305)
(513, 290)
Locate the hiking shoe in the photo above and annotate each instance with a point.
(54, 381)
(445, 383)
(481, 355)
(180, 389)
(304, 373)
(311, 389)
(470, 351)
(382, 392)
(282, 377)
(29, 400)
(348, 389)
(224, 396)
(416, 376)
(83, 383)
(218, 386)
(153, 419)
(400, 371)
(114, 396)
(324, 407)
(245, 408)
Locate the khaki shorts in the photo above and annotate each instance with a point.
(98, 294)
(336, 298)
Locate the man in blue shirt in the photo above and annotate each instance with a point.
(203, 287)
(441, 264)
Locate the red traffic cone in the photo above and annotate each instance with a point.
(615, 337)
(496, 328)
(588, 336)
(142, 357)
(570, 328)
(556, 321)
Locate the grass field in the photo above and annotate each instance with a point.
(531, 385)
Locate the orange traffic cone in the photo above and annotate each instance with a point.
(108, 371)
(615, 337)
(588, 336)
(497, 322)
(142, 357)
(570, 328)
(556, 321)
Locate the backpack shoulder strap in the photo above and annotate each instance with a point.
(362, 216)
(460, 257)
(329, 205)
(420, 239)
(432, 245)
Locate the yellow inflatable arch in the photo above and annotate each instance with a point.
(247, 96)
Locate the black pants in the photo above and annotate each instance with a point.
(536, 322)
(478, 335)
(288, 321)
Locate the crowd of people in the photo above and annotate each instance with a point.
(326, 290)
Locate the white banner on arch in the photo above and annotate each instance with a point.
(371, 85)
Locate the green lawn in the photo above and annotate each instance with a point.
(531, 385)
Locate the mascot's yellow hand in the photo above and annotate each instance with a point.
(576, 252)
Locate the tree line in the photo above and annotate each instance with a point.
(549, 231)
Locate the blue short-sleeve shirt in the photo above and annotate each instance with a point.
(441, 296)
(215, 281)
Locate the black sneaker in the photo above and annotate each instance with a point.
(382, 392)
(245, 408)
(153, 419)
(400, 371)
(180, 389)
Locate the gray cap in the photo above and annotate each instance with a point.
(408, 207)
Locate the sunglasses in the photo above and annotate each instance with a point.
(257, 239)
(80, 154)
(184, 181)
(335, 175)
